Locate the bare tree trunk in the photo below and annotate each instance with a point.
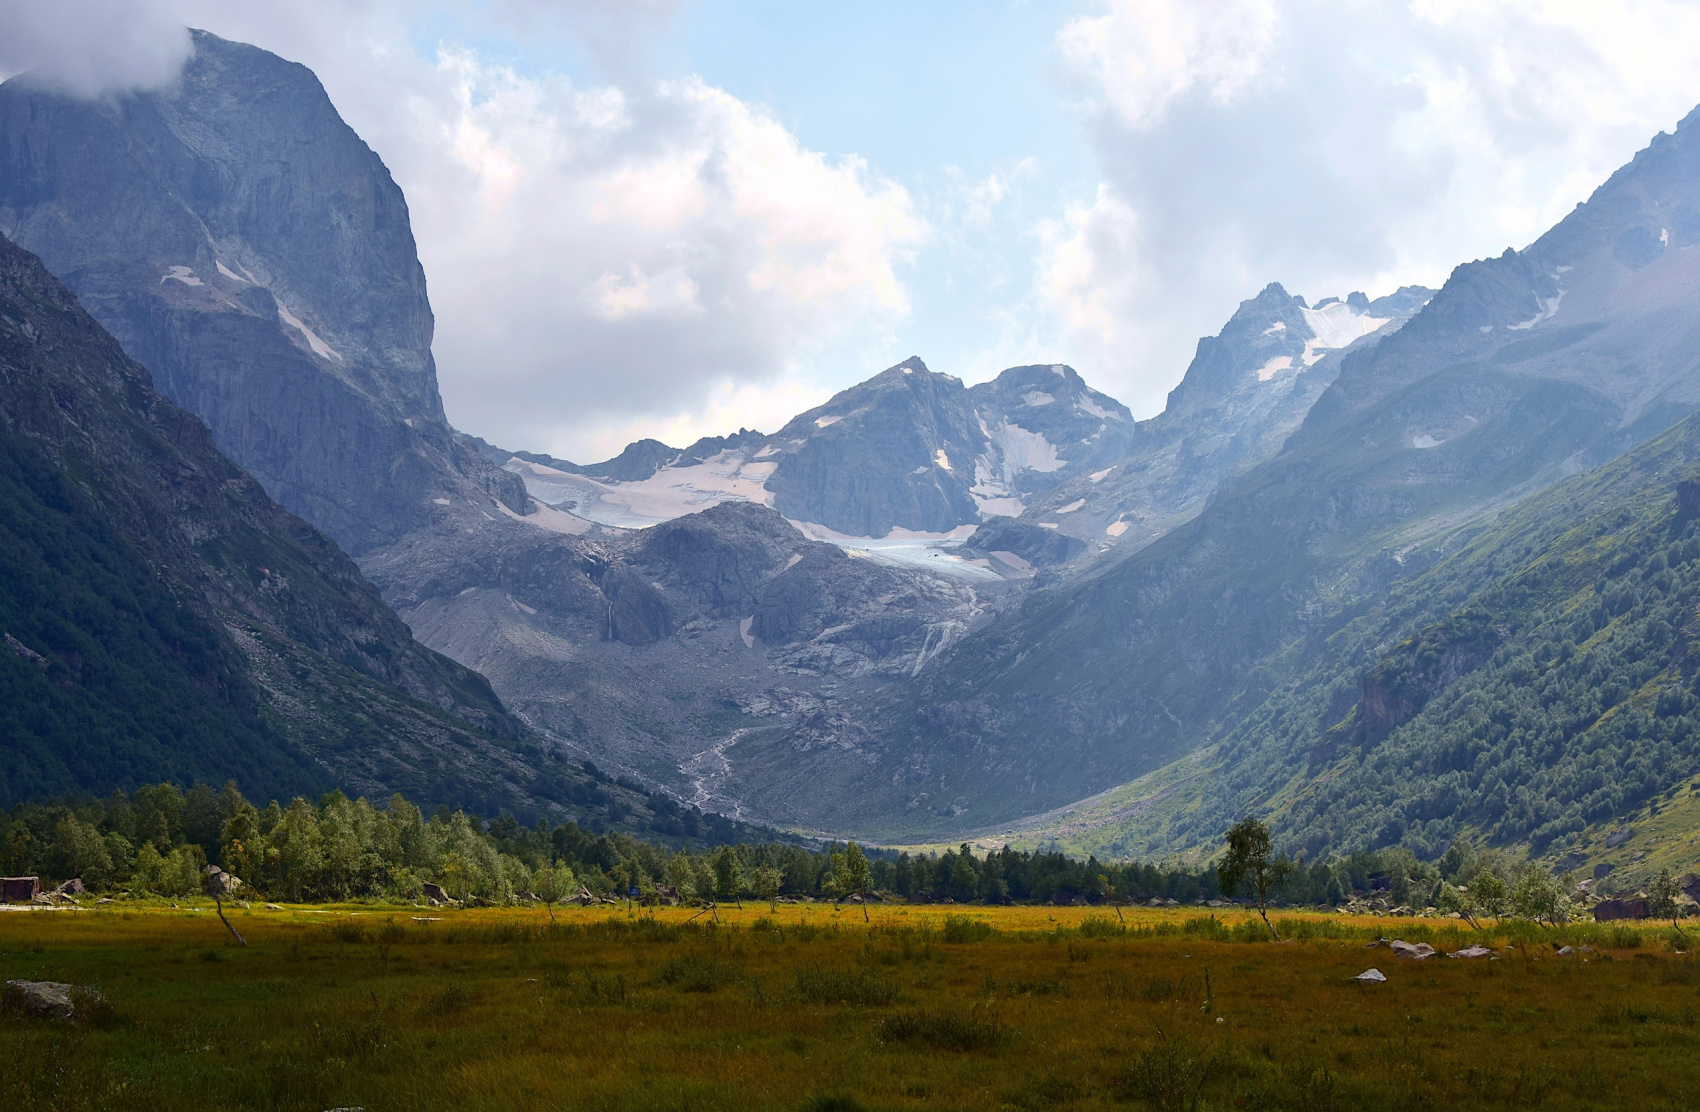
(865, 918)
(220, 906)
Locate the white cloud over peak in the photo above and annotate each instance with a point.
(604, 256)
(1333, 145)
(630, 254)
(90, 48)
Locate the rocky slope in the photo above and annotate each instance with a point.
(245, 246)
(163, 617)
(1247, 389)
(649, 650)
(1522, 370)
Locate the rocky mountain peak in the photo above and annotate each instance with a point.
(244, 244)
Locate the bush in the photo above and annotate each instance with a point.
(455, 998)
(1250, 930)
(1207, 927)
(695, 973)
(843, 986)
(1171, 1075)
(960, 928)
(944, 1030)
(1101, 927)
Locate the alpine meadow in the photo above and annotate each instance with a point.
(1079, 714)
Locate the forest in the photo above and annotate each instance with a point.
(159, 839)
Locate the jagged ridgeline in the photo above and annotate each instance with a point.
(163, 618)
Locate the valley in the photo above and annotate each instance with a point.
(928, 610)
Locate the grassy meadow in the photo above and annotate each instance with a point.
(810, 1008)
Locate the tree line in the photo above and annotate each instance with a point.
(159, 839)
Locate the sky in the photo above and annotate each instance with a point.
(676, 218)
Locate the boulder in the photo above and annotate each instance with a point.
(19, 889)
(1419, 951)
(1370, 976)
(1566, 951)
(1477, 951)
(73, 887)
(1620, 909)
(435, 892)
(221, 883)
(43, 999)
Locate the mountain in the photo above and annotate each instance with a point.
(909, 449)
(1521, 371)
(648, 650)
(1536, 687)
(245, 246)
(1248, 388)
(163, 617)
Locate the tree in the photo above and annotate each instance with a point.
(767, 883)
(1661, 898)
(1489, 895)
(1112, 892)
(1251, 860)
(79, 851)
(728, 876)
(553, 883)
(1539, 897)
(854, 875)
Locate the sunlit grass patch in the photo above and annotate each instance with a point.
(1035, 1008)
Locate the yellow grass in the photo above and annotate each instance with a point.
(1055, 1008)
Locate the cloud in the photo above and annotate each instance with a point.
(89, 48)
(1143, 55)
(609, 256)
(1332, 145)
(598, 256)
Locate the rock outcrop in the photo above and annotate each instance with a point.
(244, 245)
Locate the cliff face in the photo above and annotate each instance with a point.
(254, 254)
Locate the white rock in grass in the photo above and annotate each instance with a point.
(1371, 976)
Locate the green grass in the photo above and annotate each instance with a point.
(1045, 1008)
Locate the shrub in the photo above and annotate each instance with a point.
(455, 998)
(695, 973)
(1101, 927)
(1207, 927)
(843, 986)
(1249, 930)
(833, 1103)
(960, 928)
(1171, 1075)
(944, 1030)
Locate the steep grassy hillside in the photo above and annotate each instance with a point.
(1535, 687)
(161, 617)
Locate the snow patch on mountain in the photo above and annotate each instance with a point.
(318, 346)
(671, 492)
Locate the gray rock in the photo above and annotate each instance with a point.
(43, 999)
(278, 297)
(1471, 952)
(1371, 976)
